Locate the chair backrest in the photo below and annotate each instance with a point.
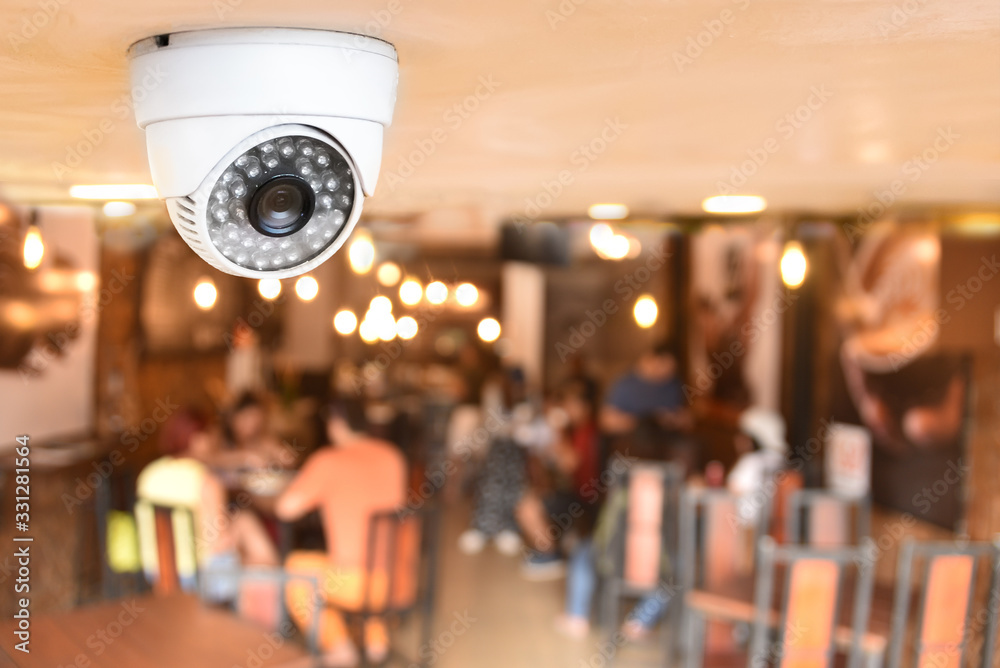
(809, 613)
(718, 537)
(946, 617)
(170, 531)
(821, 518)
(401, 559)
(648, 533)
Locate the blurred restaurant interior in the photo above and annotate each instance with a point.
(669, 337)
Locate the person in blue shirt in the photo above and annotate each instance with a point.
(650, 392)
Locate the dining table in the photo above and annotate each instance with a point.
(150, 632)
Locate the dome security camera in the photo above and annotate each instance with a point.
(264, 142)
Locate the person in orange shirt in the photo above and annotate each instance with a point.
(347, 482)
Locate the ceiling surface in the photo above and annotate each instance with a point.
(817, 105)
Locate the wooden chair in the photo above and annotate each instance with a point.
(717, 548)
(261, 599)
(644, 543)
(402, 548)
(821, 518)
(804, 630)
(174, 540)
(946, 619)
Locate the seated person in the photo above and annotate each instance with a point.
(220, 540)
(546, 516)
(760, 445)
(651, 393)
(347, 482)
(247, 440)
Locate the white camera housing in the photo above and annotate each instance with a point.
(211, 99)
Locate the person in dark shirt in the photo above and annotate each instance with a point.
(650, 396)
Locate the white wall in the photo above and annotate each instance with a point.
(58, 402)
(523, 317)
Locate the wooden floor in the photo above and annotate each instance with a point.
(514, 618)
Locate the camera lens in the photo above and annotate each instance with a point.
(281, 202)
(281, 206)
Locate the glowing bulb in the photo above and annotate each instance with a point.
(466, 294)
(617, 247)
(307, 288)
(118, 209)
(367, 331)
(645, 311)
(488, 330)
(85, 281)
(345, 322)
(793, 265)
(437, 292)
(269, 288)
(385, 326)
(600, 235)
(361, 255)
(380, 304)
(410, 292)
(388, 274)
(205, 294)
(406, 327)
(734, 204)
(34, 249)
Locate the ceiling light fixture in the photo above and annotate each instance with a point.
(114, 191)
(734, 204)
(608, 211)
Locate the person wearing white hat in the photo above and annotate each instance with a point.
(761, 446)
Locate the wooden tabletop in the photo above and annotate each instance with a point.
(148, 632)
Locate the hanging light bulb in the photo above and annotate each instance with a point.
(307, 288)
(793, 265)
(645, 311)
(34, 248)
(269, 288)
(205, 294)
